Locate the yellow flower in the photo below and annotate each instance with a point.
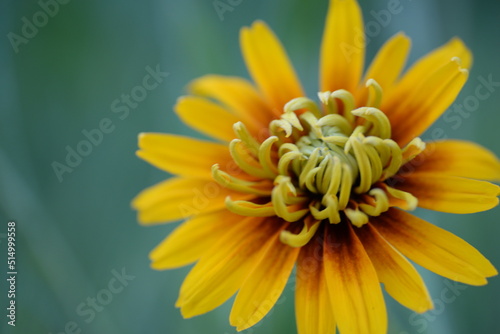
(324, 186)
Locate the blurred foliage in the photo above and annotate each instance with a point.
(64, 80)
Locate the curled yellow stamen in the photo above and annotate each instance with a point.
(278, 127)
(365, 171)
(330, 106)
(414, 148)
(265, 158)
(381, 203)
(396, 158)
(292, 118)
(335, 121)
(299, 240)
(380, 125)
(375, 162)
(285, 160)
(250, 209)
(302, 103)
(357, 217)
(330, 211)
(374, 94)
(345, 187)
(310, 164)
(233, 183)
(312, 121)
(323, 175)
(321, 164)
(404, 200)
(242, 133)
(383, 151)
(334, 169)
(281, 199)
(245, 161)
(347, 101)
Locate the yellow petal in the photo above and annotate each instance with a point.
(429, 64)
(313, 310)
(182, 155)
(238, 95)
(435, 59)
(264, 285)
(388, 64)
(422, 106)
(352, 283)
(426, 90)
(450, 193)
(188, 242)
(343, 47)
(400, 278)
(269, 66)
(223, 268)
(207, 117)
(180, 198)
(434, 248)
(457, 158)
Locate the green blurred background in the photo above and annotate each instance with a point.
(73, 236)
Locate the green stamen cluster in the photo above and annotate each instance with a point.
(316, 166)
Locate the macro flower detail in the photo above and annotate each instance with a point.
(324, 186)
(323, 167)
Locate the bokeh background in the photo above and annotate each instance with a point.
(72, 235)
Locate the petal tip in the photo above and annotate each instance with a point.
(403, 35)
(259, 24)
(140, 154)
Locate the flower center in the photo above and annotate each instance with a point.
(327, 164)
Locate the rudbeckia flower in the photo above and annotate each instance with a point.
(323, 185)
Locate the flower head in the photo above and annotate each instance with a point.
(323, 185)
